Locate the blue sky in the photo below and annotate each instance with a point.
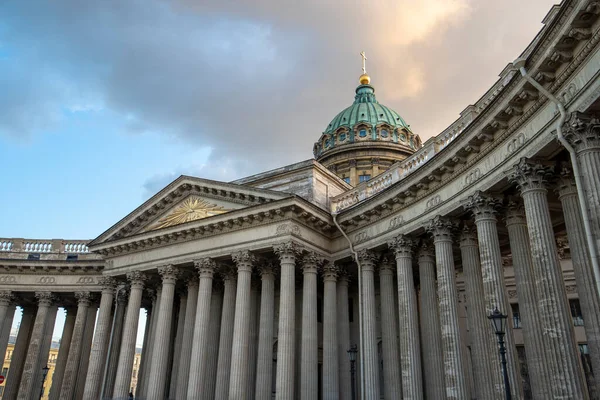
(104, 103)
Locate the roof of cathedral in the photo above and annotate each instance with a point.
(366, 110)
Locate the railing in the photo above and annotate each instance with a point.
(43, 246)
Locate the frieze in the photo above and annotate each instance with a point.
(432, 202)
(396, 222)
(512, 294)
(288, 229)
(86, 280)
(361, 237)
(8, 279)
(515, 144)
(47, 280)
(473, 177)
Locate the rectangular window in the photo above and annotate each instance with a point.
(33, 256)
(516, 316)
(583, 349)
(4, 372)
(576, 312)
(350, 310)
(364, 178)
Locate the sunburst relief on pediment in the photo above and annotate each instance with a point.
(191, 209)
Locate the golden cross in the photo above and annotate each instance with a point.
(364, 58)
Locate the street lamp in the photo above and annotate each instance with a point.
(352, 356)
(499, 324)
(44, 374)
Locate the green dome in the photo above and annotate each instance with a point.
(366, 110)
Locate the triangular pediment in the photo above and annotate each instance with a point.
(184, 201)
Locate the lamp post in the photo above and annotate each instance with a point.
(499, 324)
(44, 374)
(352, 356)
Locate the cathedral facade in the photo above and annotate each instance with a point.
(368, 272)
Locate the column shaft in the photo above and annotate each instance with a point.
(115, 343)
(484, 208)
(187, 338)
(309, 367)
(392, 379)
(214, 333)
(431, 339)
(264, 368)
(518, 236)
(582, 266)
(98, 355)
(487, 372)
(178, 345)
(408, 314)
(19, 353)
(86, 347)
(127, 353)
(7, 325)
(343, 324)
(238, 383)
(253, 345)
(148, 347)
(160, 353)
(330, 344)
(285, 337)
(370, 355)
(63, 354)
(26, 388)
(45, 352)
(557, 326)
(454, 365)
(226, 341)
(206, 268)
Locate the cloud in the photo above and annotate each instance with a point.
(255, 81)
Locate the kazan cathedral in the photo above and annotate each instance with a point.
(462, 267)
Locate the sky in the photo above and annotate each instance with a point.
(104, 103)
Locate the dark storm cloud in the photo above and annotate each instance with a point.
(256, 81)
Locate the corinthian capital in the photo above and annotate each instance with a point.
(565, 185)
(44, 298)
(6, 297)
(582, 131)
(108, 284)
(83, 298)
(287, 251)
(206, 267)
(483, 206)
(367, 258)
(402, 246)
(468, 237)
(441, 228)
(244, 260)
(169, 273)
(136, 279)
(530, 175)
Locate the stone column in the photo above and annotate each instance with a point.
(26, 388)
(45, 350)
(253, 333)
(160, 353)
(148, 344)
(6, 298)
(331, 381)
(63, 353)
(454, 366)
(178, 345)
(431, 334)
(238, 382)
(557, 326)
(583, 133)
(226, 341)
(309, 359)
(214, 333)
(95, 374)
(487, 373)
(284, 385)
(484, 208)
(408, 315)
(127, 353)
(7, 302)
(582, 266)
(187, 338)
(264, 367)
(518, 236)
(18, 358)
(67, 389)
(367, 260)
(343, 325)
(86, 348)
(116, 342)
